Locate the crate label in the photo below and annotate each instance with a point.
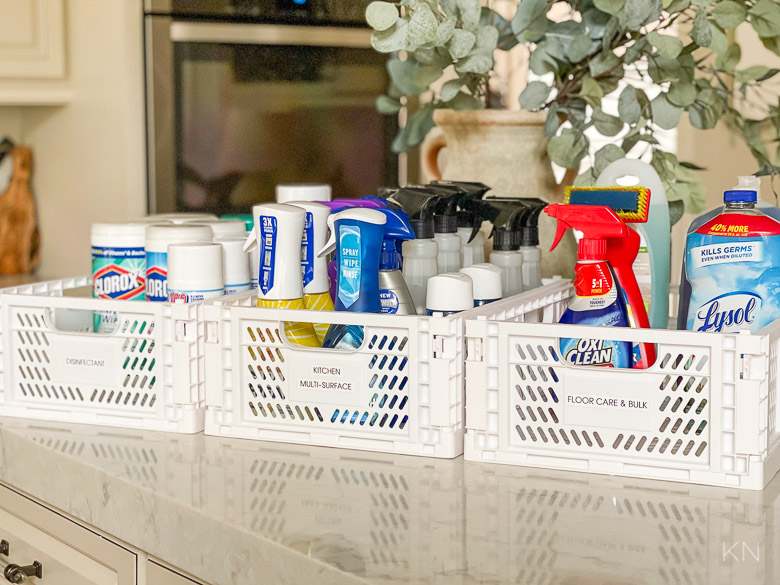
(592, 401)
(83, 361)
(326, 379)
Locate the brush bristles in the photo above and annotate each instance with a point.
(631, 204)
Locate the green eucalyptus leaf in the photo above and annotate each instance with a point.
(423, 25)
(756, 73)
(534, 95)
(400, 142)
(391, 40)
(636, 50)
(464, 101)
(666, 115)
(402, 73)
(425, 76)
(387, 105)
(609, 6)
(606, 124)
(610, 83)
(591, 91)
(665, 164)
(445, 31)
(568, 148)
(381, 15)
(720, 42)
(487, 40)
(606, 156)
(629, 107)
(637, 13)
(546, 57)
(470, 13)
(425, 55)
(479, 63)
(595, 22)
(506, 38)
(603, 62)
(419, 124)
(677, 6)
(682, 93)
(610, 32)
(461, 43)
(729, 60)
(551, 124)
(580, 47)
(765, 18)
(729, 14)
(585, 179)
(666, 45)
(450, 89)
(662, 69)
(530, 21)
(701, 32)
(575, 110)
(773, 44)
(676, 211)
(692, 166)
(449, 7)
(705, 112)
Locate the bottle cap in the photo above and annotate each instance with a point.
(466, 219)
(487, 280)
(592, 249)
(505, 240)
(249, 223)
(119, 235)
(302, 192)
(158, 237)
(450, 292)
(423, 228)
(225, 227)
(181, 217)
(445, 224)
(315, 234)
(740, 197)
(235, 262)
(195, 266)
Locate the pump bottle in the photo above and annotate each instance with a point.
(445, 228)
(472, 251)
(529, 246)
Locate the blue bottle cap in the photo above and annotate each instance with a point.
(740, 197)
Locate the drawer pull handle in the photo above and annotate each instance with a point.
(16, 574)
(5, 548)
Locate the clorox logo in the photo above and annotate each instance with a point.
(115, 282)
(157, 284)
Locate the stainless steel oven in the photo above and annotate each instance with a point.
(245, 94)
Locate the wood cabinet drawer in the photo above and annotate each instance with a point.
(156, 574)
(70, 554)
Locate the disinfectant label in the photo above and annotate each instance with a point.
(389, 301)
(307, 250)
(724, 253)
(118, 273)
(350, 265)
(267, 252)
(157, 276)
(193, 296)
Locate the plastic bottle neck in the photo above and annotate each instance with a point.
(389, 258)
(740, 206)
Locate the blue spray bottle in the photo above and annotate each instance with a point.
(393, 290)
(356, 235)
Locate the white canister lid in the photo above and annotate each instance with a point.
(303, 192)
(278, 233)
(487, 280)
(224, 228)
(319, 282)
(450, 292)
(180, 217)
(160, 236)
(195, 266)
(235, 262)
(119, 235)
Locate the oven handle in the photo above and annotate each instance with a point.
(269, 34)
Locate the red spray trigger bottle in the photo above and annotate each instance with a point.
(606, 237)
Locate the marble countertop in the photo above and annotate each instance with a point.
(248, 513)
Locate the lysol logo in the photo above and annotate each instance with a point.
(728, 312)
(115, 282)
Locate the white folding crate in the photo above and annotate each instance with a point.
(147, 374)
(401, 392)
(705, 412)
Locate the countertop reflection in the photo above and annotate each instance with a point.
(244, 512)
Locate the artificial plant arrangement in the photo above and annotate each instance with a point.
(579, 60)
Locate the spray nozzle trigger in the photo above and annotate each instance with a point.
(330, 245)
(594, 221)
(251, 241)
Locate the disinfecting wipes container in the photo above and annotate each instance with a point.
(235, 265)
(449, 293)
(487, 282)
(224, 228)
(158, 238)
(194, 272)
(182, 217)
(302, 192)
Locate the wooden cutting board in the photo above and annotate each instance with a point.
(19, 237)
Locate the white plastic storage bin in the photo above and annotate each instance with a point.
(401, 392)
(705, 412)
(147, 374)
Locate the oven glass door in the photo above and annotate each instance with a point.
(258, 105)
